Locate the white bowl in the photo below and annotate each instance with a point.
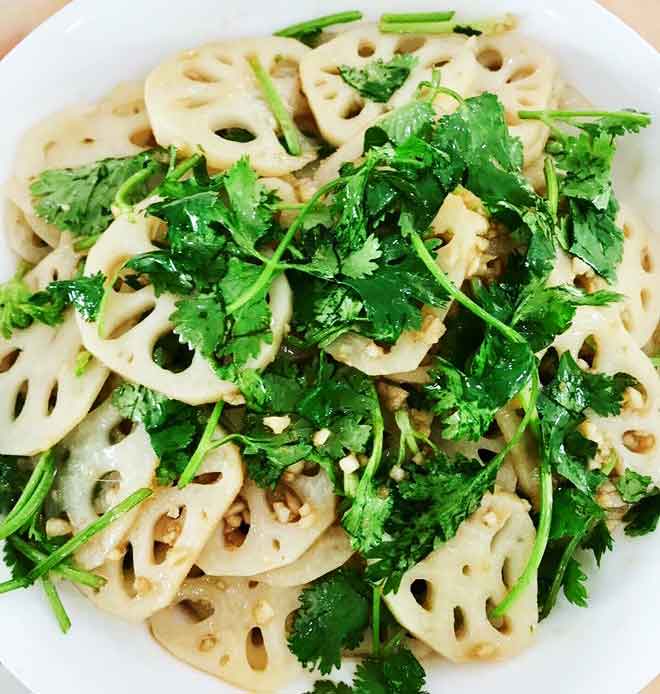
(88, 47)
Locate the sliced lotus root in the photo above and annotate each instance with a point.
(60, 264)
(484, 450)
(41, 398)
(233, 628)
(166, 538)
(116, 126)
(524, 456)
(462, 229)
(280, 528)
(342, 113)
(332, 550)
(134, 321)
(198, 97)
(445, 599)
(20, 235)
(105, 459)
(638, 277)
(598, 342)
(524, 77)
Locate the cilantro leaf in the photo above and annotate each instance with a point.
(467, 402)
(642, 518)
(378, 79)
(174, 427)
(328, 687)
(167, 272)
(12, 481)
(79, 200)
(427, 509)
(19, 307)
(633, 487)
(576, 389)
(333, 615)
(200, 322)
(396, 672)
(574, 583)
(360, 263)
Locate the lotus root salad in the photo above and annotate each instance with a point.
(329, 347)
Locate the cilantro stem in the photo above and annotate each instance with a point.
(540, 542)
(408, 17)
(190, 163)
(313, 25)
(633, 116)
(56, 604)
(456, 294)
(277, 107)
(44, 462)
(655, 361)
(203, 447)
(486, 26)
(13, 584)
(552, 186)
(23, 513)
(271, 266)
(566, 556)
(84, 536)
(85, 243)
(375, 619)
(84, 578)
(139, 177)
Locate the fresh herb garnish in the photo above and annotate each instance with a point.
(378, 80)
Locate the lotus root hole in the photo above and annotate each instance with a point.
(647, 262)
(171, 354)
(255, 650)
(438, 64)
(224, 59)
(645, 298)
(9, 360)
(366, 49)
(352, 109)
(491, 59)
(331, 70)
(252, 584)
(638, 441)
(132, 108)
(224, 661)
(196, 74)
(207, 643)
(410, 44)
(21, 397)
(522, 73)
(143, 138)
(277, 545)
(120, 431)
(195, 572)
(466, 570)
(501, 624)
(635, 397)
(167, 531)
(460, 627)
(128, 573)
(104, 492)
(421, 590)
(627, 231)
(236, 133)
(586, 356)
(196, 611)
(87, 141)
(207, 478)
(627, 320)
(191, 102)
(283, 67)
(485, 455)
(311, 469)
(507, 574)
(52, 399)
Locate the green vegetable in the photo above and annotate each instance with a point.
(174, 428)
(583, 164)
(13, 478)
(272, 98)
(333, 615)
(407, 17)
(19, 307)
(633, 487)
(378, 80)
(642, 518)
(309, 32)
(79, 200)
(447, 26)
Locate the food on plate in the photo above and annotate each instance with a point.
(333, 344)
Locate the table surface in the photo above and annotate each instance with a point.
(643, 15)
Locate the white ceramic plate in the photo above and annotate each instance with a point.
(88, 47)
